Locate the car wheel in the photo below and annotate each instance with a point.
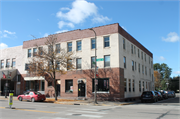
(20, 98)
(142, 101)
(32, 100)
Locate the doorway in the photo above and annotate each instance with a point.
(81, 89)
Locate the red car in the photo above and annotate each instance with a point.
(32, 96)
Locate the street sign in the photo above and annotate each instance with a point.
(100, 59)
(94, 63)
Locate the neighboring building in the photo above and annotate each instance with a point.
(125, 72)
(11, 65)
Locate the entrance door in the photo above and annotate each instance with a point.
(81, 90)
(58, 90)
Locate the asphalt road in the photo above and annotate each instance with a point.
(165, 109)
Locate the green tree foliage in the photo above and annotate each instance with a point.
(174, 83)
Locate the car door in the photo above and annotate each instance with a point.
(30, 96)
(26, 96)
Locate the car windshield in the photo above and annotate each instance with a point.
(37, 93)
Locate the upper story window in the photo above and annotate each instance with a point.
(78, 63)
(2, 64)
(145, 56)
(92, 62)
(70, 47)
(40, 49)
(34, 52)
(57, 48)
(124, 62)
(150, 72)
(50, 65)
(106, 41)
(138, 53)
(93, 43)
(27, 66)
(132, 49)
(139, 68)
(107, 61)
(29, 52)
(124, 44)
(125, 85)
(78, 45)
(146, 70)
(142, 55)
(7, 63)
(13, 62)
(57, 65)
(50, 49)
(151, 64)
(143, 69)
(132, 65)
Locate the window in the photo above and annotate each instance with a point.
(106, 41)
(134, 49)
(132, 65)
(7, 63)
(19, 78)
(49, 83)
(57, 48)
(150, 72)
(133, 85)
(34, 52)
(2, 64)
(92, 62)
(29, 52)
(107, 61)
(70, 47)
(57, 65)
(93, 43)
(27, 66)
(69, 64)
(135, 65)
(146, 70)
(124, 62)
(69, 86)
(138, 53)
(143, 69)
(142, 55)
(139, 68)
(125, 85)
(151, 64)
(40, 49)
(102, 86)
(78, 63)
(50, 65)
(143, 85)
(50, 49)
(131, 48)
(13, 62)
(42, 85)
(78, 45)
(129, 85)
(139, 86)
(124, 44)
(145, 57)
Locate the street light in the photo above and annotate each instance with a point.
(95, 92)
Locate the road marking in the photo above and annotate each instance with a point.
(86, 115)
(87, 112)
(32, 110)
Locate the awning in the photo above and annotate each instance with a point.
(33, 78)
(10, 74)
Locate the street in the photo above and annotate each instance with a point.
(164, 109)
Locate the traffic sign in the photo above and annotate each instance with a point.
(100, 59)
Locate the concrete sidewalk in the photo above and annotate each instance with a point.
(80, 102)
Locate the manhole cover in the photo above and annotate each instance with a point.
(76, 114)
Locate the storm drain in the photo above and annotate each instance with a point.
(76, 114)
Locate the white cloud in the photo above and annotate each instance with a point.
(176, 72)
(6, 31)
(61, 31)
(5, 35)
(62, 23)
(81, 10)
(171, 37)
(161, 58)
(3, 46)
(100, 19)
(45, 35)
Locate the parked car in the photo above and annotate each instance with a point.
(174, 94)
(149, 96)
(32, 96)
(164, 95)
(171, 94)
(160, 97)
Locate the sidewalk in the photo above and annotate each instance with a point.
(80, 102)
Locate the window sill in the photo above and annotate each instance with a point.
(107, 67)
(101, 92)
(78, 50)
(107, 47)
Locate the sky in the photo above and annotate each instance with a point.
(155, 24)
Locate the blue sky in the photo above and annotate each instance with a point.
(155, 24)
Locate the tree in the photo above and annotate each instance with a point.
(163, 69)
(49, 61)
(157, 77)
